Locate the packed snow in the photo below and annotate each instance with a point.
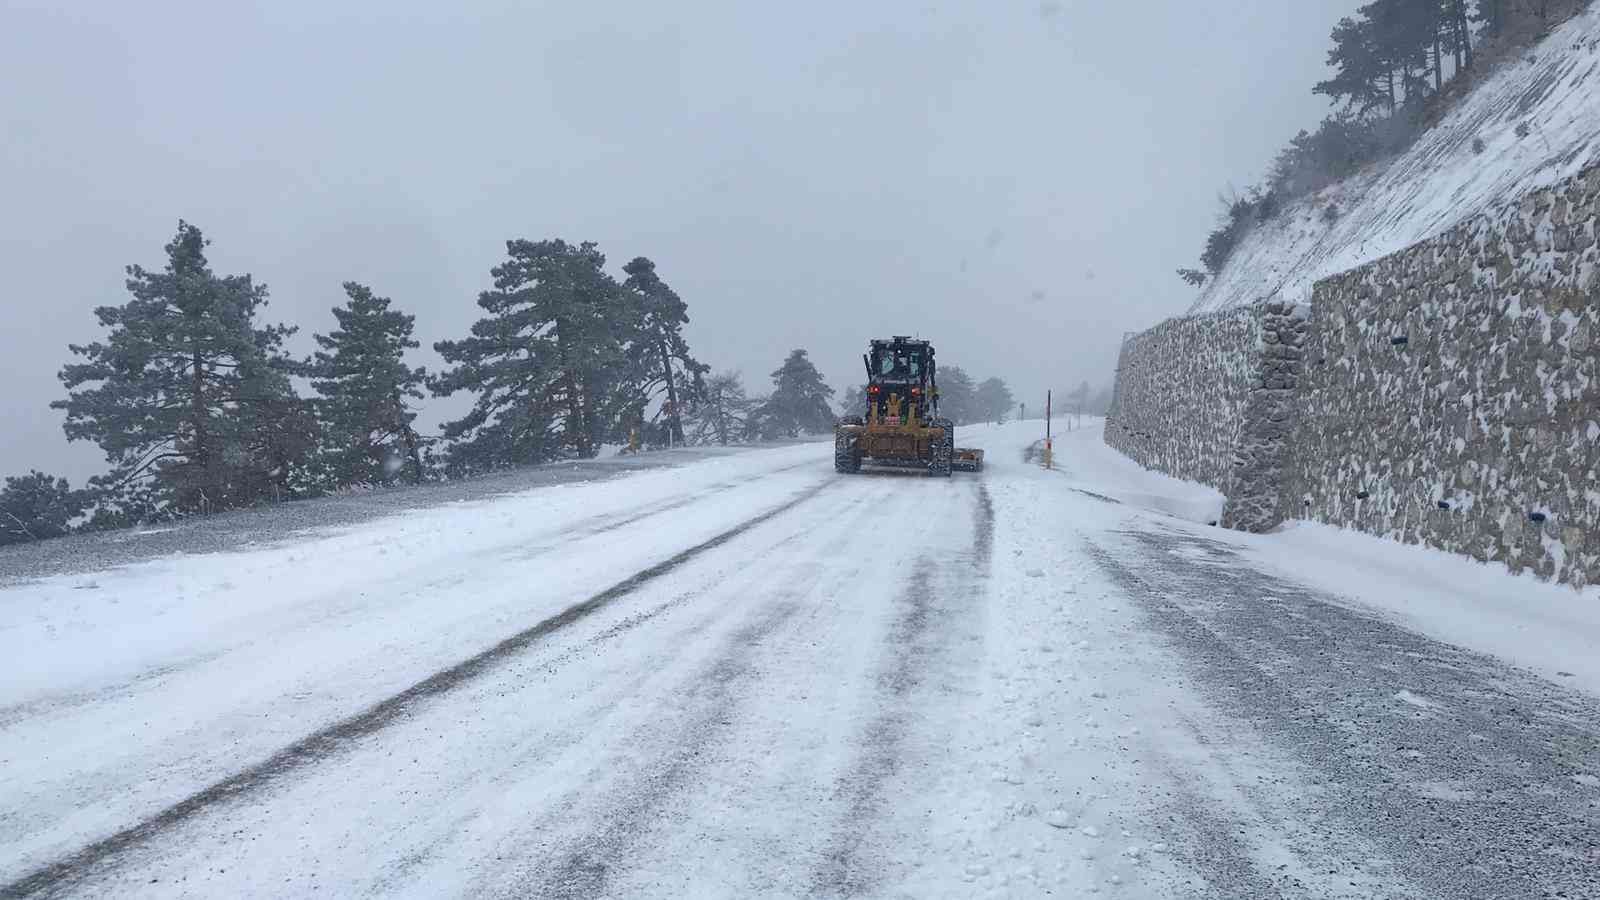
(748, 676)
(1548, 628)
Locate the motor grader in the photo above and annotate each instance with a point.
(901, 425)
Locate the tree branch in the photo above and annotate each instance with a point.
(20, 524)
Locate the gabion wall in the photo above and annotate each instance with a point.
(1181, 391)
(1452, 392)
(1448, 394)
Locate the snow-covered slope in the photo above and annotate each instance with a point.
(1441, 181)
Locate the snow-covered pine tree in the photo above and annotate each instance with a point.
(799, 400)
(993, 398)
(544, 362)
(854, 401)
(658, 355)
(1100, 403)
(723, 414)
(1080, 399)
(957, 396)
(36, 506)
(281, 438)
(181, 388)
(365, 384)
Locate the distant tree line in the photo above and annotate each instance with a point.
(198, 407)
(961, 400)
(1086, 400)
(1397, 65)
(726, 414)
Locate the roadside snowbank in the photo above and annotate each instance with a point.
(142, 685)
(77, 632)
(1546, 628)
(1112, 475)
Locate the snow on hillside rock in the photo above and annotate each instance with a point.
(1440, 181)
(1475, 349)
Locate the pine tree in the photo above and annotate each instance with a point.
(957, 396)
(282, 438)
(362, 375)
(1080, 399)
(1359, 70)
(37, 506)
(994, 399)
(799, 400)
(854, 401)
(544, 362)
(182, 386)
(1382, 56)
(1403, 31)
(1100, 403)
(659, 357)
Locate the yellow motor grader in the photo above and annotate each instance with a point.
(901, 425)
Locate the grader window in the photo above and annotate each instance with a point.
(899, 363)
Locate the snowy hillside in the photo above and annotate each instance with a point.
(1441, 181)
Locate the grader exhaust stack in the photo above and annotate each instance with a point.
(901, 425)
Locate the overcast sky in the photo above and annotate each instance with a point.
(1015, 180)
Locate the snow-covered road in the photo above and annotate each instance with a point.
(747, 676)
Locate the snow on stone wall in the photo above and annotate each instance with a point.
(1448, 394)
(1533, 123)
(1254, 488)
(1445, 388)
(1181, 391)
(1212, 398)
(1452, 391)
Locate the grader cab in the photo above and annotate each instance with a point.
(901, 425)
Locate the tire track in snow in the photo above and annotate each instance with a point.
(1209, 840)
(915, 640)
(608, 522)
(548, 541)
(585, 870)
(55, 877)
(153, 677)
(444, 832)
(1214, 835)
(49, 807)
(552, 744)
(592, 858)
(1477, 794)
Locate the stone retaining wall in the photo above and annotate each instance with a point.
(1448, 394)
(1453, 392)
(1255, 484)
(1181, 391)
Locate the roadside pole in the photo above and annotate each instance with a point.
(1048, 449)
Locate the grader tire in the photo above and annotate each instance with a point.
(846, 454)
(944, 452)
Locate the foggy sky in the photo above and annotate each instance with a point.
(1016, 181)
